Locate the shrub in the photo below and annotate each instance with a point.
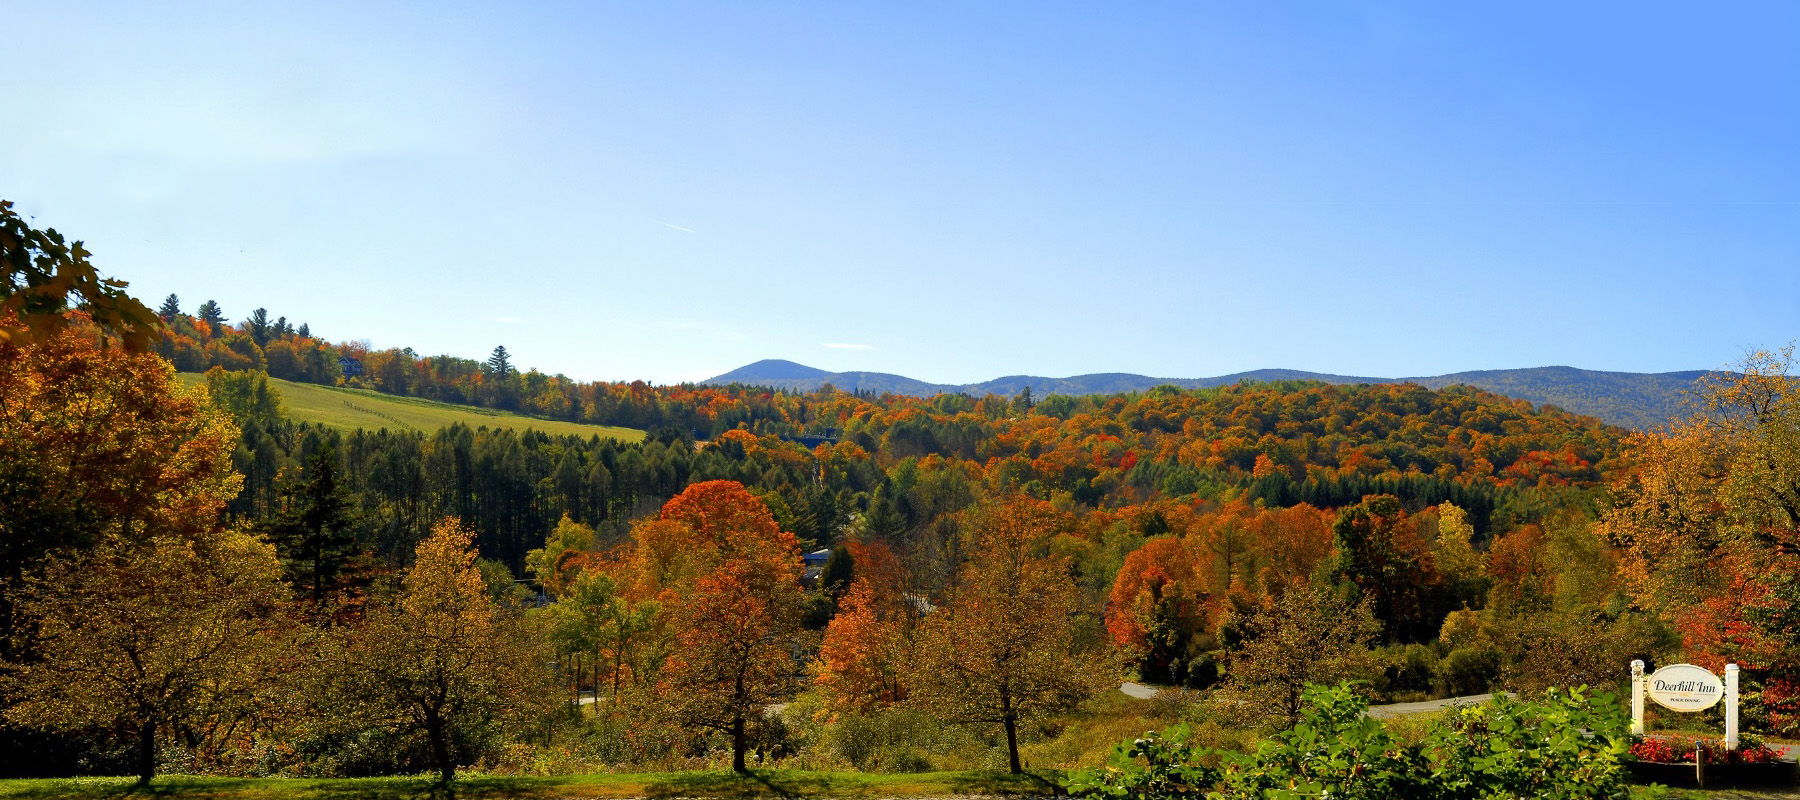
(1467, 670)
(1504, 749)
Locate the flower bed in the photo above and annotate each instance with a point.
(1671, 761)
(1676, 751)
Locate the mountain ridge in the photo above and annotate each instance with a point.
(1630, 399)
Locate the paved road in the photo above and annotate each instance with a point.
(1142, 692)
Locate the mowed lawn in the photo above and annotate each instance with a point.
(789, 785)
(350, 409)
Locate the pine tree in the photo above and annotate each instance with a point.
(305, 331)
(210, 313)
(314, 536)
(259, 326)
(171, 308)
(500, 364)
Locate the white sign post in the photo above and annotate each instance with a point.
(1637, 698)
(1731, 700)
(1686, 688)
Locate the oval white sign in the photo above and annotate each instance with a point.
(1685, 687)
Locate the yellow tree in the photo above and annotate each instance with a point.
(1304, 635)
(1013, 641)
(171, 635)
(98, 446)
(442, 655)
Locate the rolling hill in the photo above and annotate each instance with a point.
(350, 409)
(1631, 399)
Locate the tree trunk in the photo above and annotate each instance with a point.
(1012, 744)
(440, 748)
(146, 752)
(738, 744)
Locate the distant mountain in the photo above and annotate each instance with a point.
(1631, 399)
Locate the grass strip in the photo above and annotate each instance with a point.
(759, 784)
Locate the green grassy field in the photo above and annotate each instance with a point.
(350, 409)
(789, 785)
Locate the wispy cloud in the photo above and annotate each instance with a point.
(673, 225)
(843, 346)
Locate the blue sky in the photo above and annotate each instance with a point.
(952, 191)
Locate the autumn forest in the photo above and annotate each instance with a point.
(193, 579)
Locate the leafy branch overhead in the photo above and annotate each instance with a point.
(39, 274)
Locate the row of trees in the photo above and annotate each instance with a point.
(701, 612)
(1301, 442)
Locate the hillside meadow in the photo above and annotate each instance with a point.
(347, 409)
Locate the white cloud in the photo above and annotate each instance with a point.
(843, 346)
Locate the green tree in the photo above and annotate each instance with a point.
(259, 326)
(171, 308)
(210, 313)
(499, 364)
(246, 396)
(839, 570)
(314, 533)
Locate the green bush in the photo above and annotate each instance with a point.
(1407, 672)
(1468, 670)
(1566, 747)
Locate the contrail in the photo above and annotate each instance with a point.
(672, 225)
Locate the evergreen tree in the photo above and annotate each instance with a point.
(171, 308)
(210, 313)
(500, 364)
(305, 331)
(314, 536)
(259, 326)
(838, 571)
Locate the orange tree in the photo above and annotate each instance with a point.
(100, 445)
(729, 578)
(1014, 639)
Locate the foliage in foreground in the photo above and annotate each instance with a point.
(1504, 749)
